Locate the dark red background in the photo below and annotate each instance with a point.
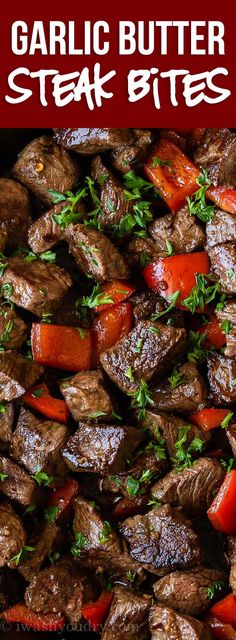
(118, 111)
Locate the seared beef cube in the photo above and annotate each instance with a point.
(231, 435)
(89, 522)
(37, 443)
(148, 461)
(17, 484)
(91, 141)
(128, 616)
(221, 376)
(44, 233)
(140, 251)
(95, 254)
(217, 153)
(166, 623)
(230, 349)
(42, 542)
(227, 313)
(36, 286)
(6, 421)
(223, 264)
(118, 565)
(43, 165)
(194, 489)
(87, 396)
(162, 540)
(221, 228)
(189, 394)
(232, 558)
(180, 229)
(114, 204)
(160, 346)
(12, 535)
(127, 157)
(101, 448)
(14, 213)
(13, 329)
(145, 303)
(59, 589)
(17, 374)
(187, 591)
(170, 426)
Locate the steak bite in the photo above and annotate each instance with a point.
(13, 329)
(146, 302)
(162, 540)
(42, 542)
(231, 543)
(101, 448)
(12, 535)
(6, 421)
(17, 374)
(87, 396)
(37, 443)
(164, 622)
(14, 213)
(59, 589)
(17, 484)
(44, 233)
(170, 427)
(151, 462)
(36, 286)
(187, 591)
(139, 251)
(223, 265)
(160, 346)
(127, 157)
(95, 254)
(116, 564)
(128, 616)
(180, 229)
(114, 204)
(88, 521)
(221, 376)
(43, 165)
(221, 228)
(189, 394)
(91, 141)
(217, 153)
(194, 489)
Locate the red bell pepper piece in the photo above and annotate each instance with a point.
(63, 498)
(223, 198)
(220, 630)
(213, 332)
(61, 347)
(176, 273)
(118, 291)
(172, 173)
(208, 418)
(96, 612)
(53, 408)
(21, 614)
(225, 610)
(110, 326)
(222, 512)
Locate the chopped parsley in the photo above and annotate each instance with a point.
(81, 542)
(68, 214)
(172, 299)
(96, 298)
(129, 374)
(214, 589)
(131, 575)
(175, 379)
(158, 162)
(5, 337)
(197, 202)
(141, 398)
(3, 406)
(47, 317)
(3, 264)
(169, 248)
(225, 423)
(201, 294)
(53, 556)
(196, 352)
(42, 478)
(105, 534)
(3, 477)
(96, 414)
(51, 513)
(139, 346)
(21, 555)
(30, 256)
(184, 454)
(133, 484)
(37, 393)
(226, 326)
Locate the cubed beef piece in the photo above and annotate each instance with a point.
(118, 565)
(91, 141)
(217, 153)
(87, 396)
(17, 374)
(42, 542)
(98, 533)
(13, 329)
(162, 540)
(223, 265)
(128, 616)
(221, 228)
(43, 165)
(12, 535)
(221, 376)
(194, 489)
(230, 349)
(37, 443)
(187, 591)
(231, 543)
(6, 421)
(140, 251)
(146, 302)
(150, 461)
(95, 254)
(169, 426)
(160, 346)
(180, 229)
(231, 435)
(18, 485)
(114, 204)
(189, 394)
(101, 448)
(128, 157)
(166, 623)
(14, 213)
(228, 312)
(36, 286)
(44, 232)
(59, 589)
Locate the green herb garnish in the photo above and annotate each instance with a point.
(141, 398)
(197, 202)
(51, 513)
(105, 534)
(81, 543)
(225, 423)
